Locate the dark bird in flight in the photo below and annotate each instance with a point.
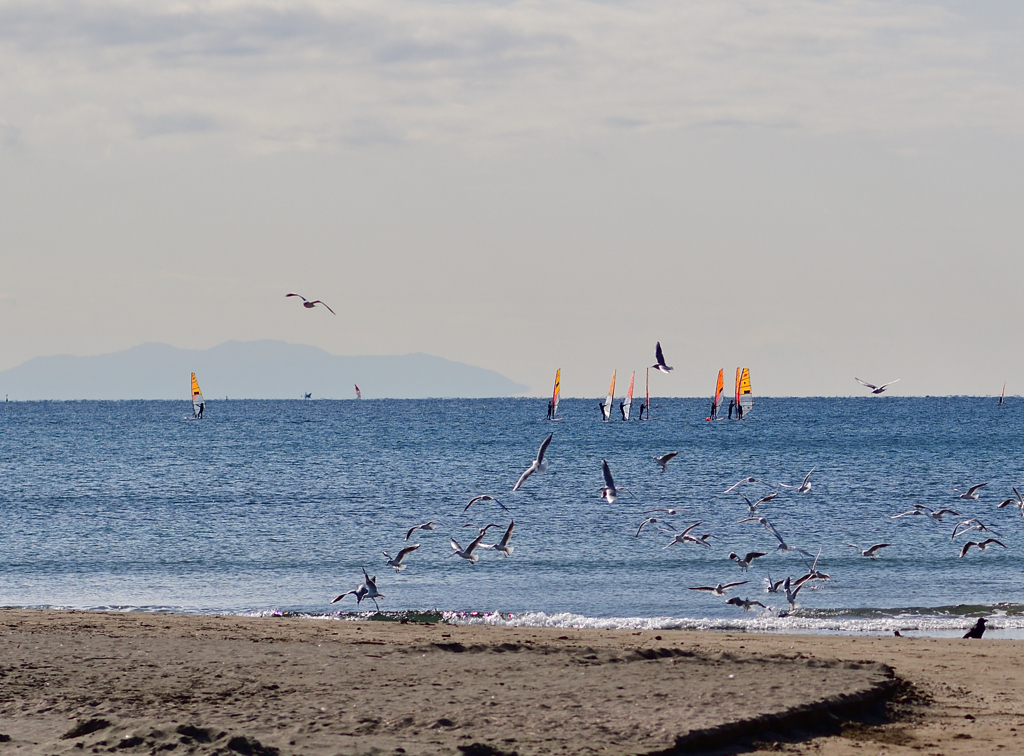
(310, 305)
(659, 359)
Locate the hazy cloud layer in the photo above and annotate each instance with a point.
(271, 75)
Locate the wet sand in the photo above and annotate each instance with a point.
(84, 682)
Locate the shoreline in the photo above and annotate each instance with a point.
(280, 685)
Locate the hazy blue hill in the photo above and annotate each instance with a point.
(248, 370)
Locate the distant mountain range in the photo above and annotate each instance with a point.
(249, 370)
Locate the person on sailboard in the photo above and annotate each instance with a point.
(622, 408)
(643, 406)
(202, 406)
(732, 405)
(714, 411)
(600, 406)
(551, 411)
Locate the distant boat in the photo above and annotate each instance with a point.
(628, 404)
(555, 396)
(359, 394)
(606, 409)
(744, 398)
(1002, 395)
(198, 404)
(719, 387)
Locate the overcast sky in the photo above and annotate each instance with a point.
(813, 190)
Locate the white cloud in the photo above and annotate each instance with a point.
(272, 75)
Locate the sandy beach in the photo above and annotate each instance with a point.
(73, 682)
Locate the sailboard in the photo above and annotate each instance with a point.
(647, 396)
(1002, 396)
(744, 397)
(719, 387)
(359, 394)
(198, 404)
(628, 404)
(555, 395)
(606, 409)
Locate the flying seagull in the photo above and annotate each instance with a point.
(659, 359)
(664, 459)
(744, 563)
(870, 552)
(684, 536)
(429, 525)
(366, 589)
(310, 305)
(468, 552)
(609, 491)
(922, 510)
(971, 494)
(484, 497)
(875, 389)
(502, 545)
(763, 500)
(1018, 501)
(981, 546)
(396, 562)
(719, 590)
(538, 465)
(803, 487)
(745, 603)
(738, 483)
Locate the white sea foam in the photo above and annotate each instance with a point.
(1000, 626)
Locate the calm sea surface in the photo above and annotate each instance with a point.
(270, 506)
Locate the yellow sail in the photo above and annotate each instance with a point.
(198, 405)
(746, 397)
(556, 393)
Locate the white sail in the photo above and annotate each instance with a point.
(628, 404)
(610, 399)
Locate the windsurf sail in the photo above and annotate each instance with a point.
(607, 407)
(198, 405)
(556, 394)
(359, 394)
(628, 404)
(1002, 395)
(647, 396)
(719, 387)
(744, 397)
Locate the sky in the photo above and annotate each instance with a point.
(813, 190)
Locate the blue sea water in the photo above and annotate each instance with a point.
(275, 506)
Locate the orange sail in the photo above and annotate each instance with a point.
(719, 388)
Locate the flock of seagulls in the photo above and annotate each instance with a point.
(658, 520)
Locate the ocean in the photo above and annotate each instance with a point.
(276, 507)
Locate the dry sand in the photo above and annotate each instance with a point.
(82, 682)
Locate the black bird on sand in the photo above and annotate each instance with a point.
(978, 630)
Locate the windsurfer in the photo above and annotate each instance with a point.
(622, 408)
(202, 406)
(643, 406)
(551, 411)
(732, 406)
